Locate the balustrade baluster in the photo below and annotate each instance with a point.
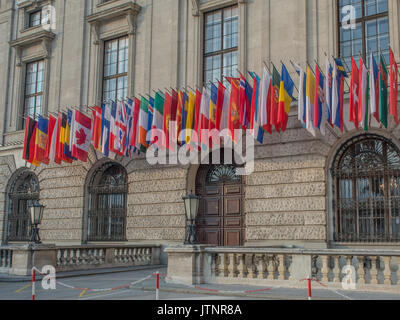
(217, 261)
(253, 266)
(9, 264)
(225, 265)
(374, 270)
(232, 265)
(242, 266)
(84, 256)
(271, 267)
(281, 267)
(59, 258)
(2, 258)
(325, 268)
(361, 270)
(387, 273)
(261, 267)
(336, 269)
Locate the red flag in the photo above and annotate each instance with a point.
(354, 91)
(29, 140)
(59, 151)
(394, 72)
(135, 118)
(167, 118)
(220, 104)
(234, 116)
(96, 127)
(197, 115)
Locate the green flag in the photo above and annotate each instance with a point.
(383, 92)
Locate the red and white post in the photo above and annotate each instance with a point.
(157, 285)
(33, 283)
(309, 289)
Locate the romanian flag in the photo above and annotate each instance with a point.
(285, 98)
(29, 142)
(190, 116)
(63, 138)
(41, 140)
(394, 72)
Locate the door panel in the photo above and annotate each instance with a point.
(232, 237)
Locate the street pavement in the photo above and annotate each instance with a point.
(140, 285)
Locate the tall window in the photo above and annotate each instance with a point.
(34, 82)
(367, 183)
(371, 32)
(24, 190)
(115, 84)
(220, 45)
(35, 18)
(107, 204)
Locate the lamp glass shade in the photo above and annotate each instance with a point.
(36, 213)
(191, 206)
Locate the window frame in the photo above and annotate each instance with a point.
(222, 51)
(117, 75)
(363, 20)
(30, 14)
(36, 94)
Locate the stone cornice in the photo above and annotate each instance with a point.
(126, 9)
(41, 35)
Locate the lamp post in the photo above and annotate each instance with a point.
(35, 215)
(191, 203)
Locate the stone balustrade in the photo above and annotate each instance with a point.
(285, 267)
(18, 260)
(78, 258)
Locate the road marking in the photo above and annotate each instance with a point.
(105, 295)
(83, 293)
(20, 290)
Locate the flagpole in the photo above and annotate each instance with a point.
(347, 68)
(293, 81)
(267, 66)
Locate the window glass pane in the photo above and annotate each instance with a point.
(34, 19)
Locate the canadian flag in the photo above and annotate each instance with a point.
(81, 136)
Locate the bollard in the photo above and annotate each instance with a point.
(157, 285)
(33, 283)
(309, 289)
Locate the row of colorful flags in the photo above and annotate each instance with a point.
(260, 105)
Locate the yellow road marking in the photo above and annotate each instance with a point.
(82, 293)
(19, 290)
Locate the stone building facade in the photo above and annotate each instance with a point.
(288, 200)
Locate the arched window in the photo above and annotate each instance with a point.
(107, 204)
(24, 190)
(366, 177)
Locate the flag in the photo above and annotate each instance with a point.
(150, 119)
(285, 98)
(362, 95)
(67, 137)
(105, 129)
(64, 136)
(197, 115)
(29, 141)
(204, 119)
(185, 109)
(96, 128)
(394, 72)
(319, 101)
(113, 127)
(224, 122)
(245, 96)
(213, 107)
(310, 96)
(275, 99)
(157, 118)
(179, 115)
(367, 103)
(120, 127)
(383, 92)
(374, 88)
(129, 124)
(143, 121)
(301, 108)
(81, 136)
(234, 117)
(220, 104)
(51, 132)
(135, 126)
(354, 92)
(42, 128)
(59, 148)
(166, 119)
(328, 90)
(338, 76)
(265, 101)
(190, 116)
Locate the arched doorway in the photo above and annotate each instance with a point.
(366, 182)
(220, 221)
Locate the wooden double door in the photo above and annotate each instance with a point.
(220, 220)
